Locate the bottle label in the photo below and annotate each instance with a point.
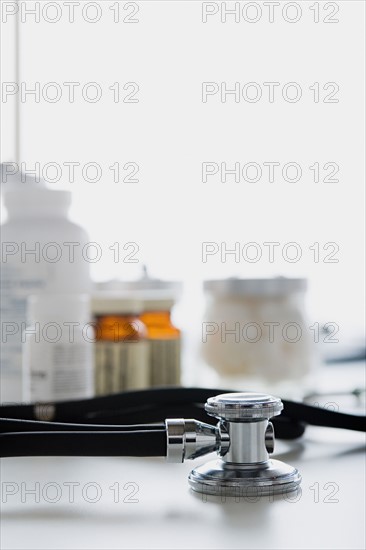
(121, 366)
(17, 283)
(165, 362)
(60, 370)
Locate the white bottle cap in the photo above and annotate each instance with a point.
(277, 286)
(112, 303)
(26, 195)
(148, 300)
(156, 300)
(145, 283)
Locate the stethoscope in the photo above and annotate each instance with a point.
(238, 426)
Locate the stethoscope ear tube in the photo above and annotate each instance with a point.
(317, 416)
(288, 428)
(237, 425)
(155, 405)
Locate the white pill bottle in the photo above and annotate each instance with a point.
(42, 253)
(58, 348)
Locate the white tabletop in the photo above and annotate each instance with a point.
(156, 509)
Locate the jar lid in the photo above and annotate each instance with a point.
(255, 287)
(140, 284)
(105, 303)
(145, 283)
(156, 300)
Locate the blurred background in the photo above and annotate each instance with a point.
(149, 147)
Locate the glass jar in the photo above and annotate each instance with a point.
(257, 328)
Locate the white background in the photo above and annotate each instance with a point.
(170, 132)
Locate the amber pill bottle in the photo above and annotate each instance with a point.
(121, 349)
(164, 339)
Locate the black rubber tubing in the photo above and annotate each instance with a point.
(85, 443)
(285, 428)
(127, 402)
(155, 405)
(17, 425)
(317, 416)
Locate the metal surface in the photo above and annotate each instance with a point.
(247, 442)
(238, 407)
(220, 478)
(188, 439)
(244, 467)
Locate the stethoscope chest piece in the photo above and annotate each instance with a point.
(244, 469)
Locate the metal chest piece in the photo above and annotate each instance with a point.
(244, 469)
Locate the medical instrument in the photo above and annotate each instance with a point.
(243, 436)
